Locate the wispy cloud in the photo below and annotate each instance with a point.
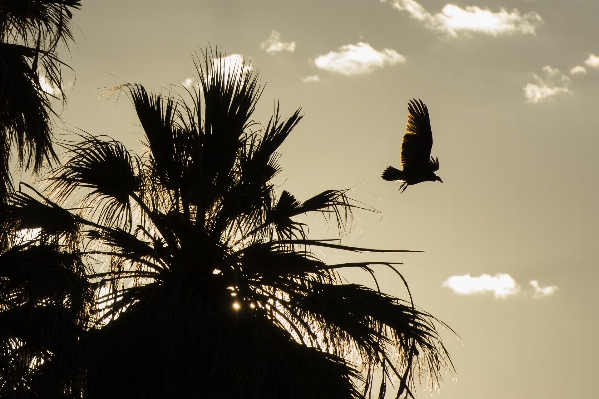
(358, 59)
(453, 19)
(501, 285)
(592, 61)
(578, 69)
(545, 88)
(541, 292)
(311, 78)
(274, 44)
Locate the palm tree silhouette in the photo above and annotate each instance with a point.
(30, 77)
(417, 164)
(209, 287)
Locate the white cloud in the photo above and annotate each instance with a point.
(554, 73)
(553, 83)
(311, 78)
(542, 291)
(453, 19)
(274, 45)
(537, 93)
(358, 59)
(501, 285)
(578, 69)
(49, 87)
(231, 65)
(592, 61)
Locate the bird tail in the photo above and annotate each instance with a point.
(392, 174)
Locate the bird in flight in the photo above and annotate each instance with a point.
(416, 161)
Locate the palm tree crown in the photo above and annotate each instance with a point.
(209, 286)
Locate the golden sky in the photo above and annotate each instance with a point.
(511, 238)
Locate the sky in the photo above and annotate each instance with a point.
(509, 239)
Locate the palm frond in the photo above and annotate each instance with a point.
(24, 110)
(30, 31)
(127, 246)
(158, 119)
(230, 96)
(47, 21)
(261, 164)
(261, 261)
(37, 273)
(109, 170)
(23, 212)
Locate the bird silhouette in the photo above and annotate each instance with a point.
(416, 161)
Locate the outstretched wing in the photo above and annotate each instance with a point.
(418, 140)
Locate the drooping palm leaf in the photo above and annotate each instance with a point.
(47, 21)
(30, 77)
(24, 111)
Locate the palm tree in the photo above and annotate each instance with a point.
(45, 299)
(205, 283)
(30, 77)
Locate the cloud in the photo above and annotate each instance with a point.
(357, 59)
(541, 292)
(577, 69)
(274, 45)
(48, 87)
(592, 61)
(311, 78)
(232, 65)
(501, 285)
(553, 83)
(453, 19)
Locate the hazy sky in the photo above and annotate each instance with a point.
(510, 238)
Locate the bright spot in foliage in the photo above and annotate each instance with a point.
(236, 306)
(48, 87)
(27, 235)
